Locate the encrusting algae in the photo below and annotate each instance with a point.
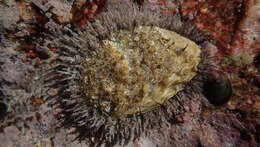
(137, 71)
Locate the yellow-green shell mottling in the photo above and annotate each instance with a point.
(139, 70)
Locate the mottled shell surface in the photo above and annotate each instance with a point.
(136, 71)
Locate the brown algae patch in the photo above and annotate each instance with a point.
(137, 70)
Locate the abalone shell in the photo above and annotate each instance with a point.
(135, 71)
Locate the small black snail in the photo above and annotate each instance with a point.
(217, 89)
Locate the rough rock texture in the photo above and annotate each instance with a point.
(30, 121)
(8, 20)
(247, 37)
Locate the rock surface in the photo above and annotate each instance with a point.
(30, 122)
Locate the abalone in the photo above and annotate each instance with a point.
(139, 70)
(125, 73)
